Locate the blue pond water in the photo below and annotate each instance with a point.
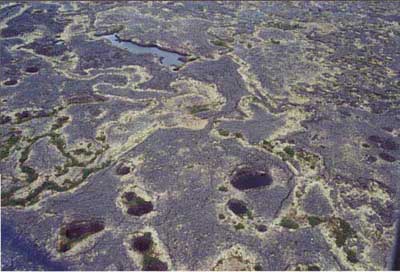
(166, 57)
(18, 253)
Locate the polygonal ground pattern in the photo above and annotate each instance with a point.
(274, 146)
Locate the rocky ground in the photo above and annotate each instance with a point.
(274, 145)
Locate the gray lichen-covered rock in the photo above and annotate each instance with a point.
(316, 203)
(245, 135)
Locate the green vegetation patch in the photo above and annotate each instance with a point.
(313, 267)
(308, 267)
(289, 151)
(25, 154)
(59, 142)
(342, 231)
(284, 156)
(289, 223)
(82, 151)
(238, 135)
(101, 138)
(33, 196)
(223, 132)
(151, 263)
(314, 220)
(250, 214)
(239, 226)
(31, 174)
(87, 171)
(283, 25)
(198, 108)
(60, 121)
(8, 145)
(219, 43)
(308, 158)
(60, 170)
(275, 41)
(267, 145)
(351, 256)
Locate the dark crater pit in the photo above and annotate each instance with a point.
(32, 70)
(77, 230)
(4, 119)
(375, 139)
(387, 157)
(153, 264)
(10, 82)
(23, 115)
(386, 144)
(122, 170)
(142, 243)
(261, 228)
(389, 145)
(248, 179)
(136, 205)
(238, 207)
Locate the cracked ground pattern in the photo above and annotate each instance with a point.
(273, 146)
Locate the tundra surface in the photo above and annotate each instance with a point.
(199, 135)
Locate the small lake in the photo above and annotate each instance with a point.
(19, 253)
(166, 57)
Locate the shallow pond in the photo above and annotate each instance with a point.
(19, 253)
(166, 57)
